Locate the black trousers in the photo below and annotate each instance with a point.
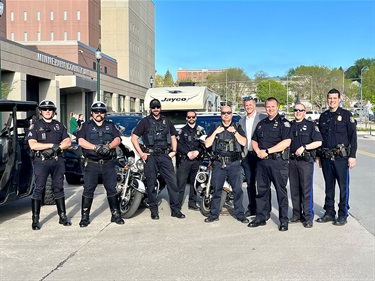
(272, 171)
(187, 170)
(42, 169)
(333, 171)
(249, 164)
(163, 164)
(301, 188)
(91, 174)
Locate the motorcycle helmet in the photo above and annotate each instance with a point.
(99, 106)
(47, 104)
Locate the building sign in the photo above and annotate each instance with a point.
(63, 64)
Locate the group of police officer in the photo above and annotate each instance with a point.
(268, 147)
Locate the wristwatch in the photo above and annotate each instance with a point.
(304, 147)
(234, 133)
(267, 151)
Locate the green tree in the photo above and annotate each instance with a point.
(5, 90)
(168, 79)
(368, 85)
(271, 88)
(159, 81)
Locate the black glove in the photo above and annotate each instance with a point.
(106, 150)
(102, 149)
(56, 148)
(47, 153)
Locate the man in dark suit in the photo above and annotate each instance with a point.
(248, 122)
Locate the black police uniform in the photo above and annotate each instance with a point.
(54, 132)
(273, 169)
(301, 169)
(227, 164)
(339, 134)
(188, 140)
(156, 136)
(97, 164)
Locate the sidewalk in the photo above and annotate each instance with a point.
(173, 249)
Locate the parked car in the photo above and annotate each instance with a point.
(74, 158)
(312, 115)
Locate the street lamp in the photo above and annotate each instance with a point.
(363, 69)
(333, 79)
(151, 81)
(98, 56)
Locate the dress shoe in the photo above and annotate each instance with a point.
(250, 214)
(340, 221)
(194, 208)
(294, 220)
(154, 216)
(243, 219)
(325, 218)
(256, 223)
(211, 219)
(283, 226)
(308, 224)
(178, 215)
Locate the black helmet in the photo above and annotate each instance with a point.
(47, 104)
(99, 105)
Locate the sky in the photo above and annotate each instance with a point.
(269, 36)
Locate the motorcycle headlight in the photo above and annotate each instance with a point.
(140, 165)
(131, 161)
(201, 177)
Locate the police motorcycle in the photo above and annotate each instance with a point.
(203, 185)
(131, 182)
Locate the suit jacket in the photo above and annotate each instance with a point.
(257, 118)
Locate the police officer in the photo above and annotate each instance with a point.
(160, 146)
(189, 151)
(249, 123)
(47, 139)
(305, 139)
(337, 156)
(271, 141)
(227, 141)
(99, 138)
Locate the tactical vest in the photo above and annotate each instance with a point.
(198, 133)
(226, 142)
(98, 135)
(158, 134)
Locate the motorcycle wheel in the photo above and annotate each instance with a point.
(128, 208)
(205, 204)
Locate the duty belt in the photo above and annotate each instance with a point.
(273, 155)
(157, 151)
(101, 161)
(228, 159)
(335, 152)
(306, 156)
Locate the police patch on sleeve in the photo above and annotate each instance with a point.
(316, 129)
(352, 119)
(287, 124)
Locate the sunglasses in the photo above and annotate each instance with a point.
(155, 107)
(47, 109)
(190, 117)
(226, 112)
(99, 112)
(299, 110)
(248, 98)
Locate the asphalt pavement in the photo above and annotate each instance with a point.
(178, 249)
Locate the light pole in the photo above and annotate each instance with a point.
(98, 56)
(363, 69)
(151, 81)
(1, 13)
(333, 79)
(287, 94)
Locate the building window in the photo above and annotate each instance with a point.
(51, 15)
(38, 16)
(38, 36)
(65, 35)
(105, 69)
(78, 15)
(25, 16)
(52, 36)
(25, 36)
(65, 15)
(94, 65)
(12, 36)
(78, 36)
(11, 16)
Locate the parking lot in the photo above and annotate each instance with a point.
(173, 249)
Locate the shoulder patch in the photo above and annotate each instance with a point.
(352, 119)
(31, 127)
(316, 129)
(287, 124)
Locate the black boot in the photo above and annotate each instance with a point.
(35, 208)
(85, 211)
(115, 210)
(60, 204)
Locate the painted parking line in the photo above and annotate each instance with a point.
(366, 153)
